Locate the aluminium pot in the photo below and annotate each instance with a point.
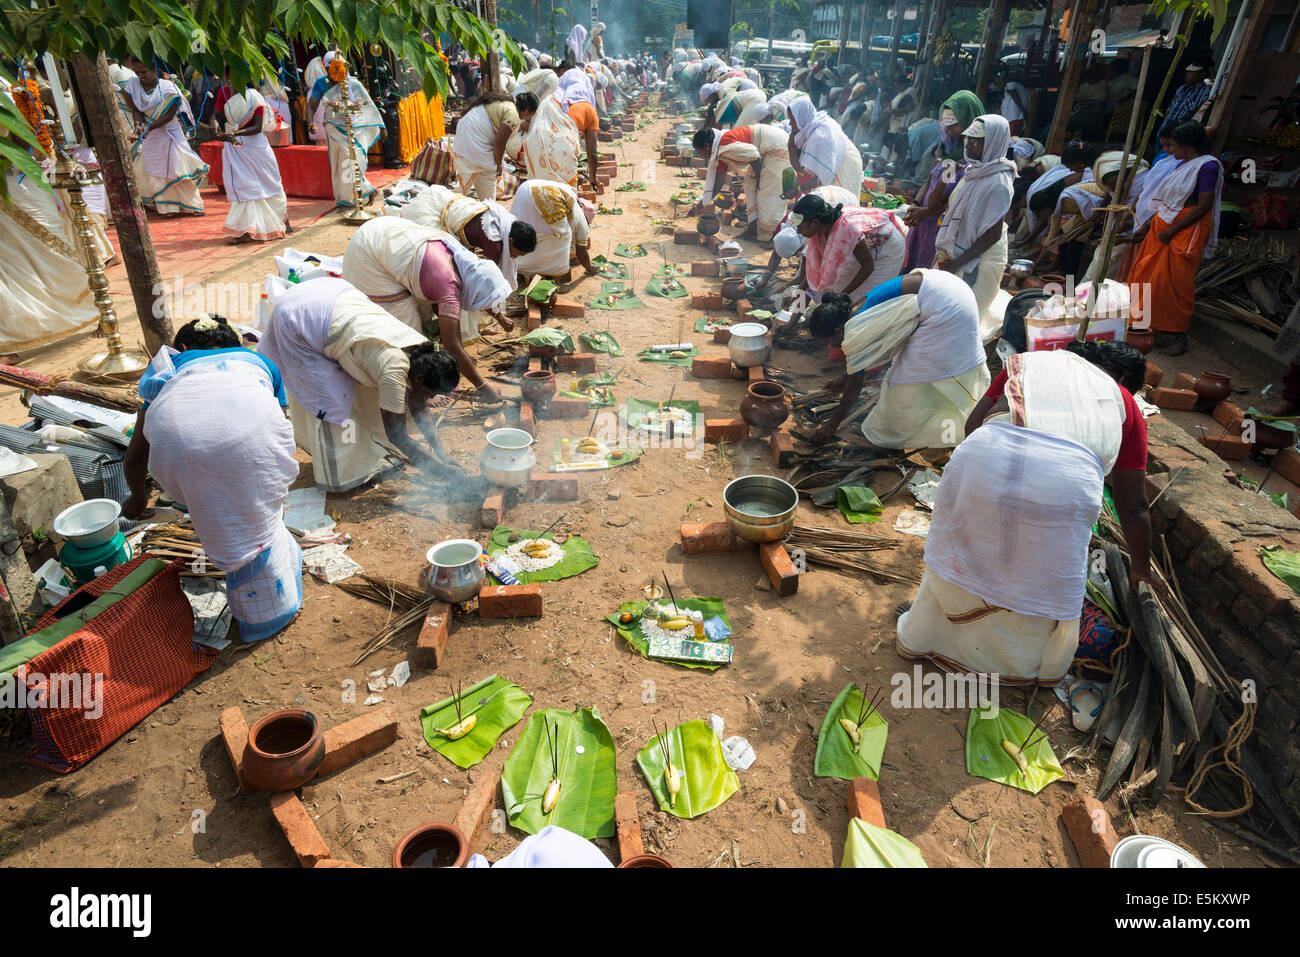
(748, 345)
(507, 460)
(284, 750)
(456, 574)
(760, 508)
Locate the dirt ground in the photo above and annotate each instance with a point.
(133, 805)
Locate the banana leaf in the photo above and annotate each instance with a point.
(1285, 565)
(668, 359)
(631, 452)
(705, 324)
(986, 758)
(658, 286)
(867, 845)
(555, 338)
(622, 298)
(707, 779)
(495, 703)
(608, 269)
(578, 555)
(588, 780)
(595, 399)
(542, 290)
(835, 757)
(1287, 423)
(635, 411)
(672, 270)
(858, 503)
(635, 637)
(600, 342)
(597, 378)
(635, 251)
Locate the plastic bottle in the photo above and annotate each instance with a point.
(564, 450)
(697, 619)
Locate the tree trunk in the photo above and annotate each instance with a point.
(100, 109)
(492, 66)
(999, 17)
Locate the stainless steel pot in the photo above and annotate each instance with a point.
(760, 508)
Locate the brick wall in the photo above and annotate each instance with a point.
(1250, 618)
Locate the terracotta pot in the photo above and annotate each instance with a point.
(1268, 437)
(645, 860)
(733, 287)
(537, 387)
(432, 845)
(708, 225)
(764, 405)
(1053, 278)
(284, 750)
(1212, 387)
(1143, 340)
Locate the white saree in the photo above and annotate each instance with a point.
(258, 206)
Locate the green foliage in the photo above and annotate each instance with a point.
(1215, 11)
(13, 155)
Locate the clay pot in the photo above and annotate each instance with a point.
(284, 750)
(645, 860)
(537, 387)
(1053, 279)
(764, 405)
(432, 845)
(1143, 340)
(1268, 437)
(708, 225)
(733, 287)
(1212, 387)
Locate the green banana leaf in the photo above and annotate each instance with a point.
(707, 779)
(624, 298)
(675, 270)
(608, 269)
(635, 411)
(1287, 423)
(858, 503)
(635, 251)
(705, 324)
(578, 555)
(600, 342)
(668, 359)
(549, 337)
(631, 452)
(658, 287)
(986, 758)
(588, 781)
(594, 400)
(635, 637)
(495, 703)
(598, 378)
(835, 757)
(1285, 565)
(542, 290)
(867, 845)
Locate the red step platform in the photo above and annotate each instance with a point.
(304, 170)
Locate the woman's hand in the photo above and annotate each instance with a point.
(488, 393)
(837, 384)
(505, 322)
(137, 506)
(823, 435)
(765, 280)
(1166, 236)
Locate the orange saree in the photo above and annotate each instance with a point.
(1168, 271)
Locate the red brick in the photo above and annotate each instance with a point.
(544, 487)
(782, 448)
(742, 306)
(602, 179)
(628, 823)
(706, 537)
(780, 570)
(756, 374)
(732, 430)
(603, 137)
(1230, 446)
(568, 307)
(1184, 381)
(477, 807)
(685, 237)
(587, 193)
(563, 407)
(1228, 415)
(234, 735)
(582, 363)
(494, 506)
(330, 862)
(711, 367)
(701, 174)
(704, 267)
(602, 157)
(308, 846)
(353, 740)
(698, 163)
(534, 316)
(432, 643)
(722, 336)
(1154, 374)
(1181, 399)
(864, 801)
(534, 364)
(1090, 830)
(510, 601)
(1287, 464)
(527, 418)
(713, 242)
(1252, 576)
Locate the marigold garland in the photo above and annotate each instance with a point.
(27, 97)
(337, 70)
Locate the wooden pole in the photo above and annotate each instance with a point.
(999, 17)
(896, 33)
(493, 71)
(1075, 52)
(938, 13)
(1235, 62)
(843, 38)
(103, 119)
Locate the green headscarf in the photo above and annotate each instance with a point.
(966, 106)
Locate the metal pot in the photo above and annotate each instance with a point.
(456, 575)
(92, 522)
(507, 460)
(748, 345)
(1020, 268)
(735, 266)
(760, 508)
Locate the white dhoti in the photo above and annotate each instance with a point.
(925, 415)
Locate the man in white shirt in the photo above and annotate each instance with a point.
(1015, 105)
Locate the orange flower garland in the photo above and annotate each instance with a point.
(27, 97)
(337, 70)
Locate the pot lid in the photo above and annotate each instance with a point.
(743, 330)
(1147, 851)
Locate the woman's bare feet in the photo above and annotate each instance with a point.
(1177, 347)
(239, 240)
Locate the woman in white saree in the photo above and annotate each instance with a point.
(171, 170)
(367, 126)
(819, 147)
(259, 210)
(550, 145)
